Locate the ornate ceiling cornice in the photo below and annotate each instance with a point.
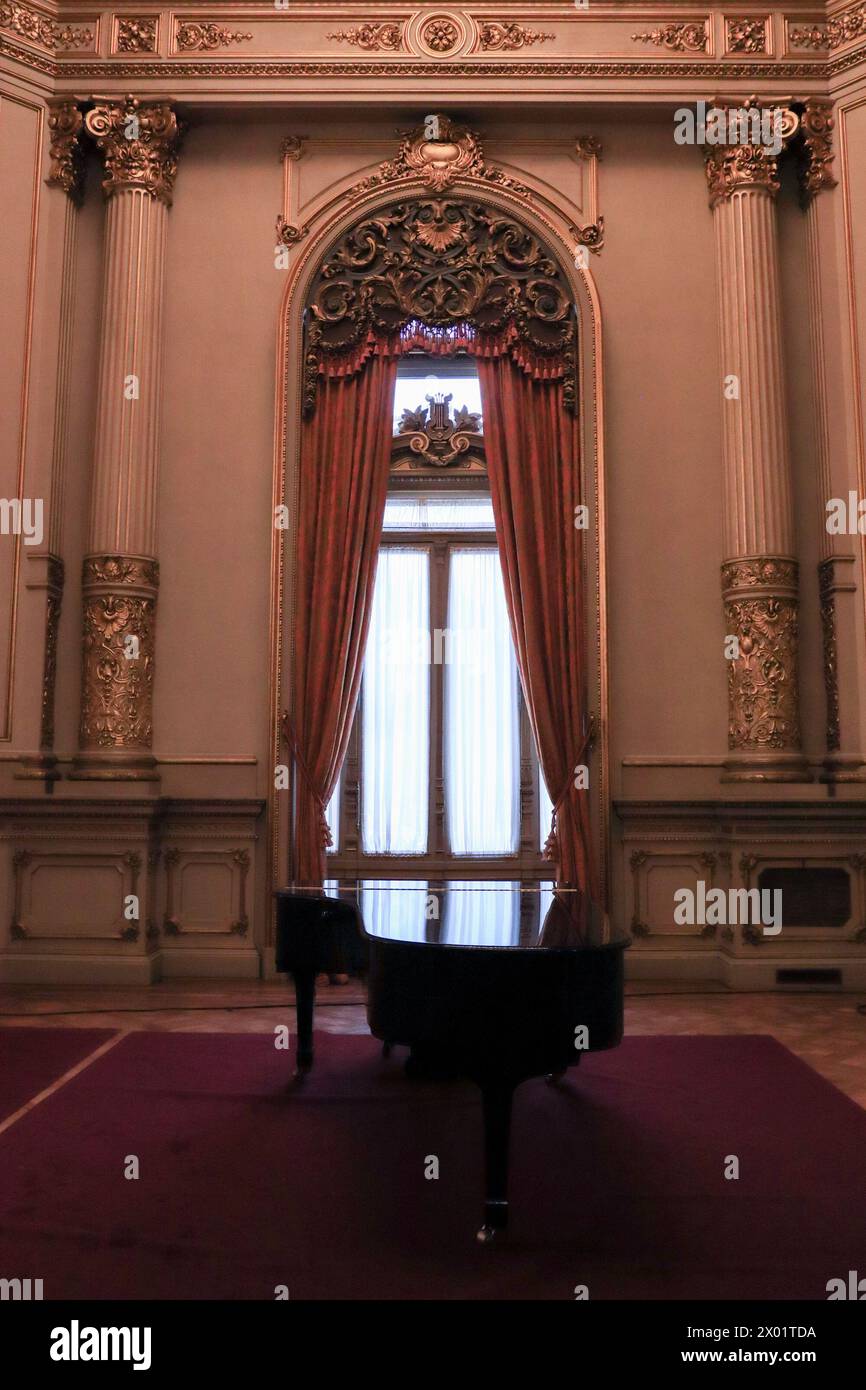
(169, 70)
(291, 42)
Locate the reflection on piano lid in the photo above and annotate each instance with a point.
(469, 913)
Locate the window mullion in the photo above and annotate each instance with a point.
(438, 843)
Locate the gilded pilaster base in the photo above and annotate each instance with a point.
(42, 766)
(761, 610)
(119, 600)
(840, 764)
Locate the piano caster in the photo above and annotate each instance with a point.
(303, 1066)
(495, 1222)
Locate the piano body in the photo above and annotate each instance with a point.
(489, 991)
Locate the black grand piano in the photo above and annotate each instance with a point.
(489, 982)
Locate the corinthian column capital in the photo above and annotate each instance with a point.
(66, 124)
(742, 147)
(816, 153)
(139, 141)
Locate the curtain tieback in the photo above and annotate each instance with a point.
(291, 738)
(549, 851)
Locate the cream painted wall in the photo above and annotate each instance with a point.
(656, 282)
(221, 307)
(663, 401)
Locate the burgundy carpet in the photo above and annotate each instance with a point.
(618, 1179)
(31, 1058)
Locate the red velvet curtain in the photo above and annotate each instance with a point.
(531, 443)
(345, 455)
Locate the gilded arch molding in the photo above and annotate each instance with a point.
(554, 226)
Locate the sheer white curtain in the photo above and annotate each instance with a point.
(332, 816)
(439, 514)
(482, 736)
(395, 726)
(395, 909)
(482, 914)
(545, 809)
(545, 900)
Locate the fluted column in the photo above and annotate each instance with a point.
(759, 574)
(121, 571)
(844, 641)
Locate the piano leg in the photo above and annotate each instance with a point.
(496, 1097)
(305, 997)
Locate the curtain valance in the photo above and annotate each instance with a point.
(444, 276)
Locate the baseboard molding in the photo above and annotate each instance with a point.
(60, 969)
(741, 973)
(209, 965)
(693, 966)
(760, 974)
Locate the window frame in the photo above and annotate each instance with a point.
(351, 863)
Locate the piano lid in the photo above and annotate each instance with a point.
(496, 914)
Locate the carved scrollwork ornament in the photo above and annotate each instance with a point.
(371, 37)
(439, 439)
(837, 31)
(439, 152)
(289, 233)
(506, 36)
(33, 25)
(680, 38)
(445, 264)
(66, 126)
(747, 35)
(139, 142)
(191, 36)
(761, 610)
(119, 593)
(136, 35)
(815, 149)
